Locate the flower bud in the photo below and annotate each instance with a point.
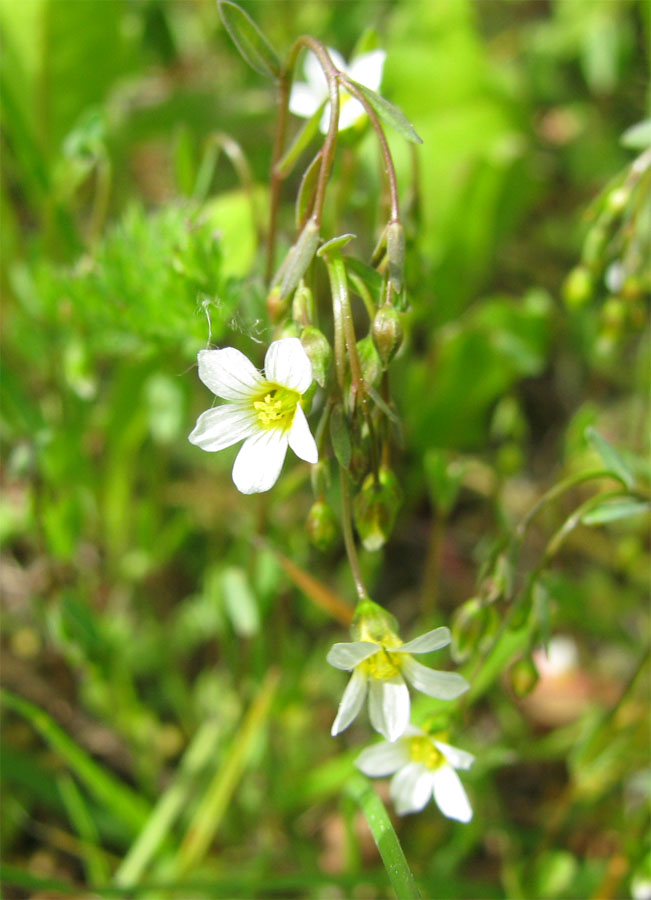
(523, 676)
(578, 288)
(298, 259)
(373, 623)
(375, 508)
(467, 628)
(316, 345)
(594, 246)
(396, 255)
(387, 333)
(320, 476)
(322, 526)
(369, 360)
(303, 304)
(276, 307)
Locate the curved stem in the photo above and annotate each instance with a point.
(384, 146)
(349, 539)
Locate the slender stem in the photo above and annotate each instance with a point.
(384, 146)
(328, 151)
(349, 539)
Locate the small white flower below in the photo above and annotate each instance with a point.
(263, 411)
(307, 96)
(424, 767)
(380, 666)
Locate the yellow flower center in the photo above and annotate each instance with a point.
(421, 749)
(276, 407)
(382, 665)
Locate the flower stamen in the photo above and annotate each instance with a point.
(421, 749)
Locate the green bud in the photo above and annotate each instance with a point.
(369, 360)
(303, 304)
(288, 329)
(376, 507)
(316, 345)
(298, 259)
(322, 526)
(523, 676)
(320, 476)
(396, 255)
(468, 625)
(387, 333)
(594, 246)
(578, 287)
(613, 314)
(617, 200)
(373, 623)
(276, 307)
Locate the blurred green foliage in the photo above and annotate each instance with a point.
(168, 704)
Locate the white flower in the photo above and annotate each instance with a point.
(307, 96)
(264, 412)
(378, 666)
(424, 766)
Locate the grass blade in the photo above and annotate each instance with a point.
(385, 837)
(127, 806)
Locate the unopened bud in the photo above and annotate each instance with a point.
(376, 507)
(303, 304)
(396, 255)
(298, 259)
(387, 333)
(467, 628)
(594, 246)
(578, 287)
(373, 623)
(617, 200)
(322, 526)
(316, 345)
(276, 307)
(369, 360)
(523, 676)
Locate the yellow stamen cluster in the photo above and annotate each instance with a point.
(276, 408)
(382, 665)
(421, 749)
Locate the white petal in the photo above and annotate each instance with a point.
(431, 640)
(347, 656)
(316, 80)
(223, 426)
(388, 706)
(229, 374)
(382, 759)
(303, 100)
(349, 113)
(459, 759)
(287, 364)
(450, 796)
(301, 440)
(367, 69)
(259, 462)
(351, 702)
(443, 685)
(411, 788)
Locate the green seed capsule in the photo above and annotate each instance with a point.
(322, 526)
(376, 507)
(387, 333)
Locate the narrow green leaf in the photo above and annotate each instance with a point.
(298, 259)
(611, 510)
(208, 816)
(95, 864)
(249, 40)
(196, 758)
(385, 837)
(611, 457)
(306, 190)
(340, 437)
(127, 806)
(389, 113)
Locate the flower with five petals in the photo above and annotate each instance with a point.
(307, 96)
(263, 411)
(424, 766)
(380, 663)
